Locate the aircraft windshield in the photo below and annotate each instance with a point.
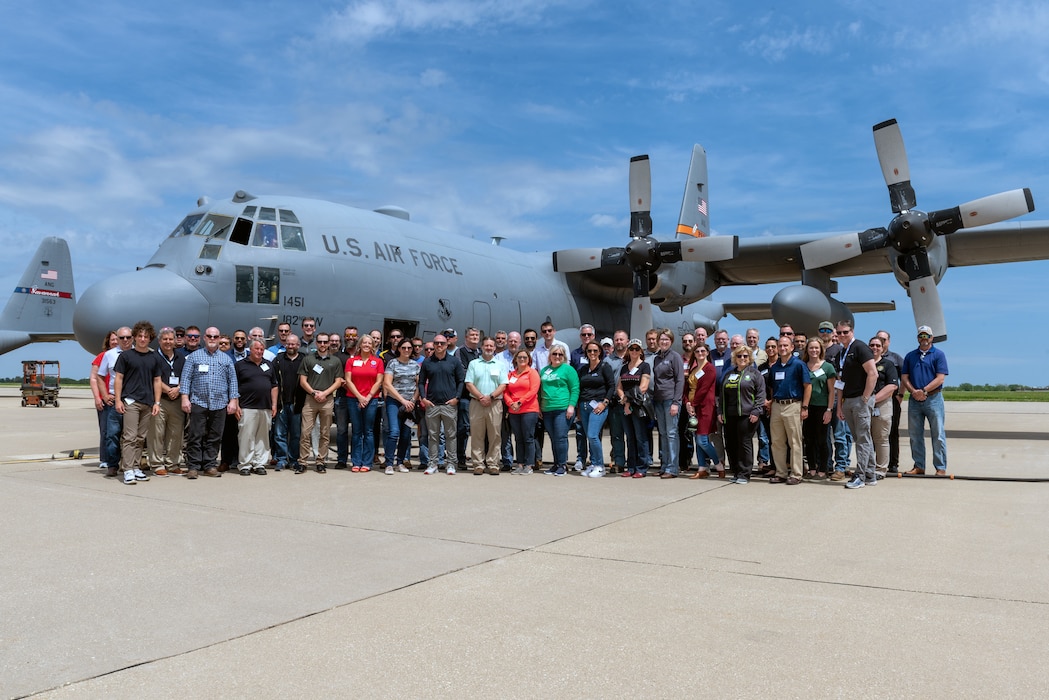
(187, 225)
(214, 226)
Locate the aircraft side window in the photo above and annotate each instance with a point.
(241, 232)
(269, 285)
(288, 217)
(267, 214)
(265, 235)
(291, 238)
(245, 284)
(187, 225)
(249, 211)
(210, 251)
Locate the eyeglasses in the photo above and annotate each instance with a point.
(124, 337)
(211, 336)
(180, 335)
(396, 337)
(547, 330)
(825, 330)
(557, 354)
(440, 342)
(416, 346)
(308, 325)
(530, 337)
(921, 336)
(193, 335)
(323, 342)
(633, 348)
(586, 335)
(592, 350)
(742, 357)
(790, 334)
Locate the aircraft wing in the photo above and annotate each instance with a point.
(759, 311)
(771, 259)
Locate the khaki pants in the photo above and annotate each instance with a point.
(311, 412)
(137, 422)
(786, 433)
(253, 436)
(165, 440)
(485, 421)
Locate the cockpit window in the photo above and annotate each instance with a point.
(249, 211)
(291, 238)
(267, 214)
(265, 235)
(187, 225)
(288, 217)
(214, 226)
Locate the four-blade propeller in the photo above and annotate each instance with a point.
(911, 231)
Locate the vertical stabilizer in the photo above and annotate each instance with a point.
(41, 307)
(695, 218)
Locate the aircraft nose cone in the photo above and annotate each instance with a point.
(153, 294)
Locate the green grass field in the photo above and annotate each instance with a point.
(1018, 396)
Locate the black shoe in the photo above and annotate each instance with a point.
(321, 469)
(893, 470)
(340, 465)
(299, 469)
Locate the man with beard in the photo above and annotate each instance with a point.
(209, 393)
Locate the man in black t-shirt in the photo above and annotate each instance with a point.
(137, 389)
(858, 375)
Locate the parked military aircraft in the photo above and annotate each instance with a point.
(260, 260)
(41, 308)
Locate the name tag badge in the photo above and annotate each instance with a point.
(839, 384)
(780, 376)
(733, 377)
(358, 363)
(203, 369)
(699, 374)
(265, 367)
(818, 373)
(634, 370)
(511, 380)
(317, 369)
(719, 363)
(129, 401)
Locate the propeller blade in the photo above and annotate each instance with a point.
(710, 249)
(640, 317)
(577, 259)
(892, 155)
(640, 197)
(836, 249)
(986, 210)
(928, 311)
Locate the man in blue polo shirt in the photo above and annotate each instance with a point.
(789, 387)
(923, 373)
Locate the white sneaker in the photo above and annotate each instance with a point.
(596, 472)
(140, 475)
(587, 471)
(578, 465)
(129, 476)
(389, 469)
(432, 469)
(403, 469)
(856, 483)
(449, 470)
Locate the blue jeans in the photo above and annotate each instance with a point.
(523, 427)
(557, 425)
(287, 435)
(763, 440)
(917, 412)
(668, 444)
(592, 424)
(398, 434)
(842, 444)
(114, 429)
(617, 433)
(362, 453)
(705, 449)
(637, 456)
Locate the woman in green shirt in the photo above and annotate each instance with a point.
(558, 395)
(814, 429)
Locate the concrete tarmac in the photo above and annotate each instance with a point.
(367, 585)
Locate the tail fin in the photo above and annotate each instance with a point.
(694, 219)
(41, 308)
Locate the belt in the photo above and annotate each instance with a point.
(786, 400)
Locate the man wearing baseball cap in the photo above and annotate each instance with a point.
(923, 373)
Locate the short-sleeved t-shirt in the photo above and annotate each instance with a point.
(404, 376)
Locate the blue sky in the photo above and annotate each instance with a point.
(518, 119)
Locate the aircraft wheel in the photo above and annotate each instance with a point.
(24, 403)
(55, 402)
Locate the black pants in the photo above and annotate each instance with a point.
(894, 434)
(739, 445)
(203, 437)
(814, 438)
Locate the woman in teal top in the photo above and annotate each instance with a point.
(558, 395)
(814, 429)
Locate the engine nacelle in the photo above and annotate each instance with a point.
(937, 261)
(681, 283)
(804, 308)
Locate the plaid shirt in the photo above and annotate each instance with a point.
(214, 387)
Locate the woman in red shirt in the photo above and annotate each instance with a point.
(364, 375)
(522, 405)
(700, 404)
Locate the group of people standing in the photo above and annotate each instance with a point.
(206, 404)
